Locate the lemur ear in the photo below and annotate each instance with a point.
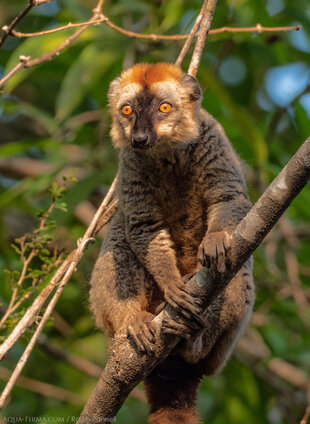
(193, 87)
(113, 88)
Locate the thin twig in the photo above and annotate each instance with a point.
(26, 262)
(155, 37)
(204, 28)
(34, 309)
(20, 65)
(23, 359)
(306, 416)
(7, 29)
(192, 34)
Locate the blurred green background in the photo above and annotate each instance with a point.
(54, 118)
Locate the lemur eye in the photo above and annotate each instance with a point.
(127, 110)
(165, 107)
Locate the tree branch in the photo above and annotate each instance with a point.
(204, 29)
(126, 367)
(154, 37)
(192, 34)
(7, 29)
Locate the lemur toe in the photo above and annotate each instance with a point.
(142, 331)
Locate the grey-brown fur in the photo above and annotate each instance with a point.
(176, 198)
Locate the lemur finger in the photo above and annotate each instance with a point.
(172, 327)
(135, 338)
(185, 304)
(148, 331)
(141, 340)
(221, 257)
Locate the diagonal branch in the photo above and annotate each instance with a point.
(7, 29)
(192, 34)
(204, 29)
(126, 367)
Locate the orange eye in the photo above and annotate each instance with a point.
(127, 110)
(165, 107)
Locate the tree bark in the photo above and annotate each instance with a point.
(126, 366)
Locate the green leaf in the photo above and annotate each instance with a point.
(83, 74)
(17, 250)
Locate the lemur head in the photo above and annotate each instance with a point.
(154, 105)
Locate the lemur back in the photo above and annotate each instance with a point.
(181, 193)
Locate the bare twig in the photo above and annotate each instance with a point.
(33, 310)
(154, 37)
(11, 306)
(7, 29)
(20, 65)
(23, 359)
(204, 28)
(192, 34)
(306, 416)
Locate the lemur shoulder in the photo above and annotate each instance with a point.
(181, 193)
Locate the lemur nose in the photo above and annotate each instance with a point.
(140, 140)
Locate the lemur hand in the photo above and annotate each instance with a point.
(214, 251)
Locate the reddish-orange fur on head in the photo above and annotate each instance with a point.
(146, 74)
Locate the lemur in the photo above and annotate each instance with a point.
(181, 193)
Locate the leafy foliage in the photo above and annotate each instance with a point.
(54, 118)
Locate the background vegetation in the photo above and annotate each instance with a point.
(54, 119)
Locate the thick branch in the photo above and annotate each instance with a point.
(126, 367)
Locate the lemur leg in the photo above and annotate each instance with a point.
(118, 289)
(225, 321)
(172, 391)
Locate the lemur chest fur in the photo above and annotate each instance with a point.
(170, 184)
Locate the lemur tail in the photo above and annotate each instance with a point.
(172, 391)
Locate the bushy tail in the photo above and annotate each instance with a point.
(172, 391)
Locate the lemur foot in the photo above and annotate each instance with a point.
(142, 331)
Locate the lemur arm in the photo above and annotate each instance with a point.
(224, 194)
